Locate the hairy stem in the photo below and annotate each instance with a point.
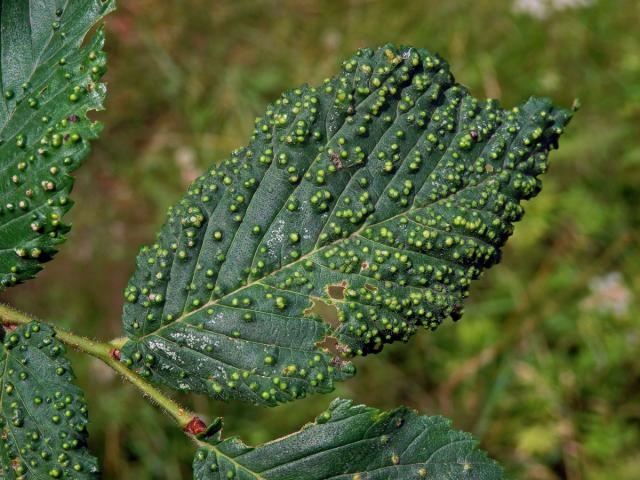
(105, 352)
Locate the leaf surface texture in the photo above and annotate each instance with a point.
(44, 415)
(380, 194)
(48, 83)
(353, 442)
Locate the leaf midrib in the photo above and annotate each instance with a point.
(236, 463)
(258, 281)
(339, 241)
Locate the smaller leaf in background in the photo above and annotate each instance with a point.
(351, 443)
(43, 421)
(48, 85)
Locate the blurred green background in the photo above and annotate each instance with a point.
(544, 367)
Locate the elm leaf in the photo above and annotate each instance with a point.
(43, 415)
(351, 443)
(360, 211)
(49, 82)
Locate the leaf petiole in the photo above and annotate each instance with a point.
(104, 351)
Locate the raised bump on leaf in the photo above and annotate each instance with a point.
(389, 179)
(43, 415)
(49, 83)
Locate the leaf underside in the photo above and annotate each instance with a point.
(381, 194)
(49, 83)
(353, 443)
(43, 414)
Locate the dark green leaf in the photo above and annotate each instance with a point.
(380, 194)
(43, 414)
(48, 82)
(353, 443)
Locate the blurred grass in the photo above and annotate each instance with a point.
(543, 367)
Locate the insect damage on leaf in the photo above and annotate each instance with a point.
(383, 192)
(43, 415)
(350, 442)
(49, 83)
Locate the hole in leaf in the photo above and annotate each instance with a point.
(338, 350)
(327, 312)
(371, 288)
(337, 291)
